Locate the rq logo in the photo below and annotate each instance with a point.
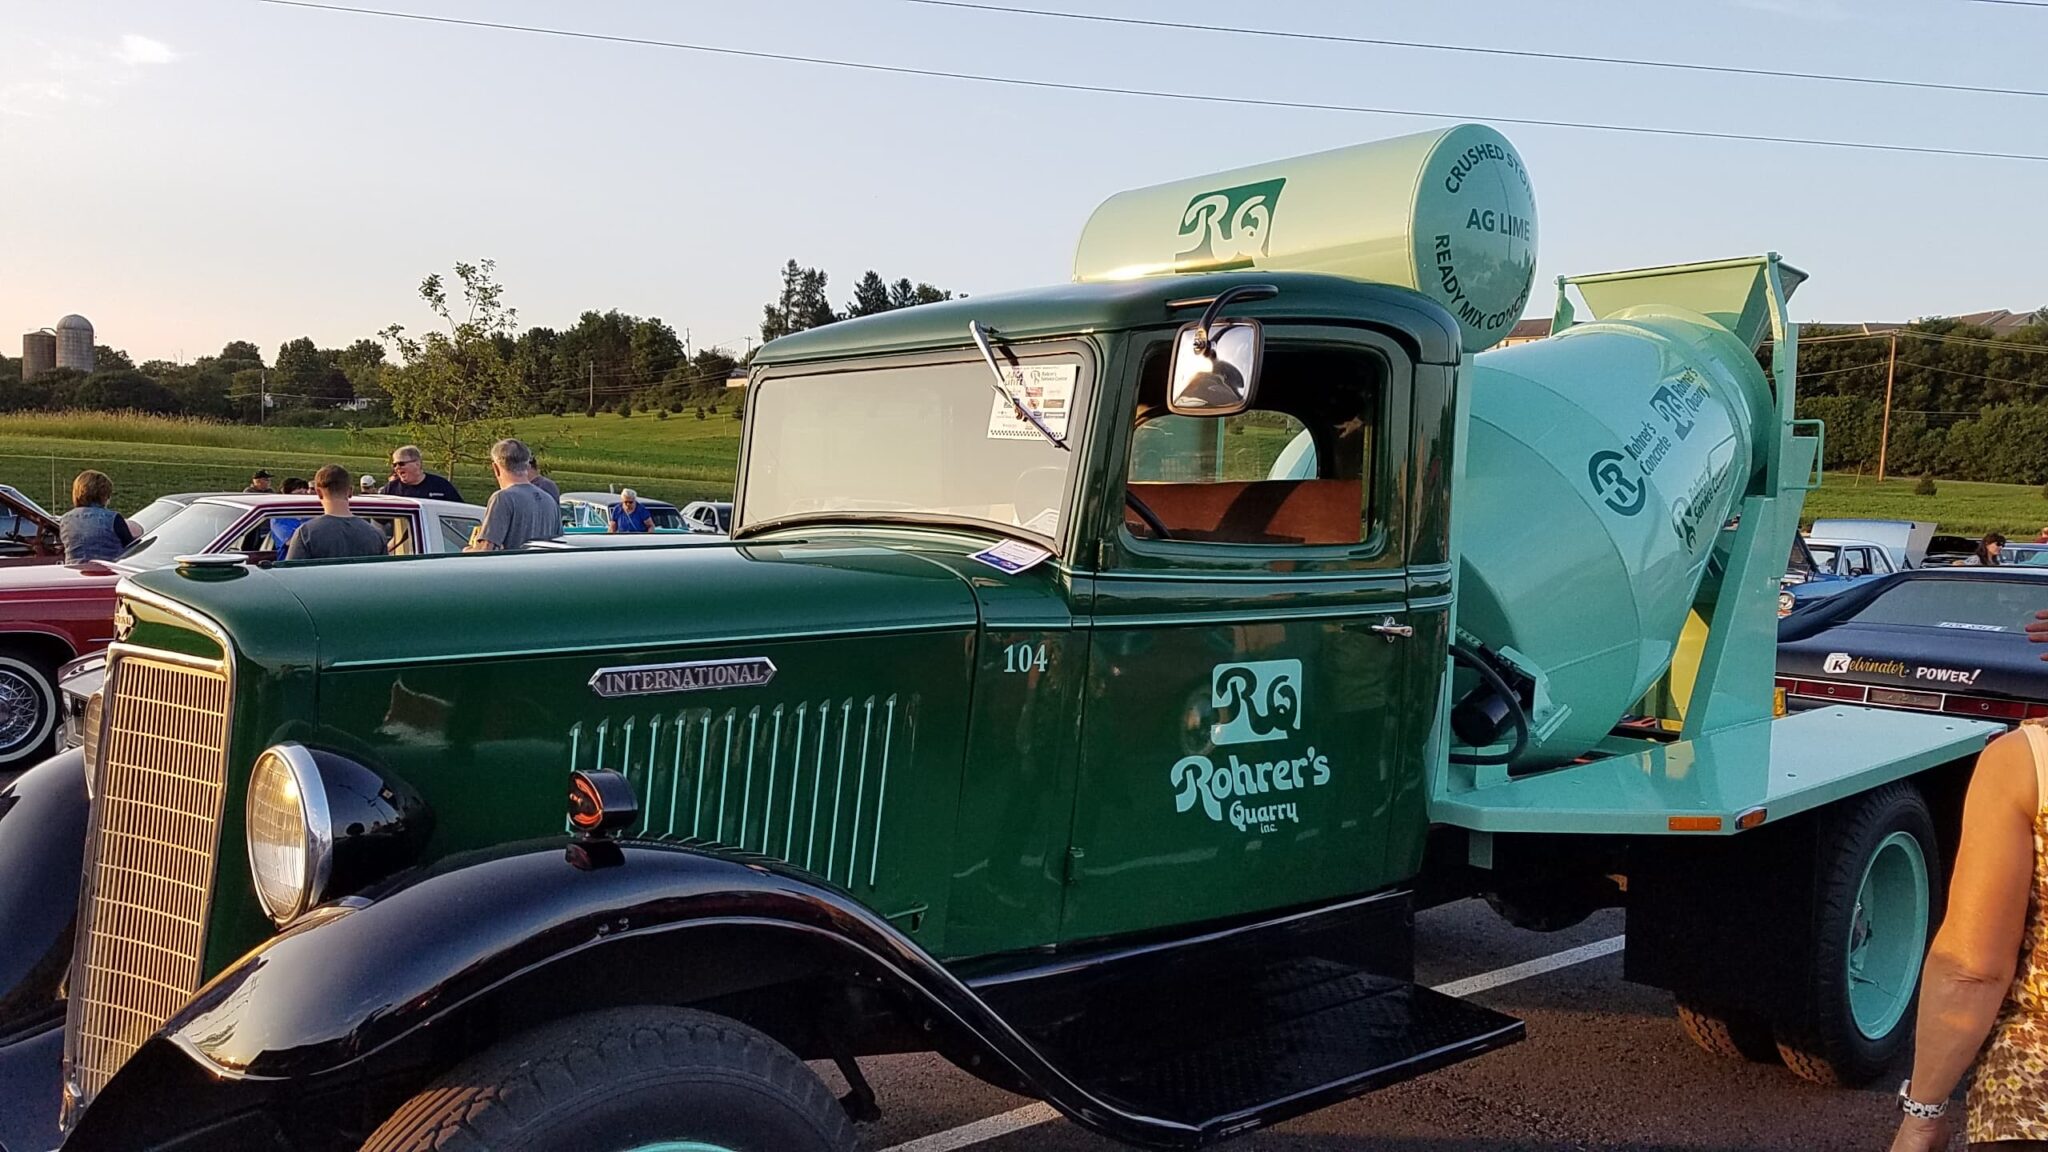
(1614, 482)
(1672, 409)
(1256, 701)
(1230, 228)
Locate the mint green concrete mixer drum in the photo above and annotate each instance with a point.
(1601, 465)
(1449, 213)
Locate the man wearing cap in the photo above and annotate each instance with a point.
(259, 482)
(630, 515)
(410, 478)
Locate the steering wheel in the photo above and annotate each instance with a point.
(1150, 518)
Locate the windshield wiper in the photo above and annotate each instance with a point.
(1002, 386)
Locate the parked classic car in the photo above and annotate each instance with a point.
(27, 532)
(51, 613)
(708, 516)
(591, 512)
(1932, 640)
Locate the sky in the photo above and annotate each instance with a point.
(190, 173)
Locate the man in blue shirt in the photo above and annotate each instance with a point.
(629, 515)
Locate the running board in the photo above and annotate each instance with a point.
(1209, 1037)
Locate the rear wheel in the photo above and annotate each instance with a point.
(1873, 915)
(625, 1080)
(1734, 1034)
(28, 707)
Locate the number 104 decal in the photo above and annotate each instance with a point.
(1024, 657)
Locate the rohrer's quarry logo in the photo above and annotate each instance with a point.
(1229, 228)
(1255, 703)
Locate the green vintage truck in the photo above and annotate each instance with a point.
(1095, 683)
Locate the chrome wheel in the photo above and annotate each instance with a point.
(28, 708)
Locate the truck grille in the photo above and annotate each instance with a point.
(161, 767)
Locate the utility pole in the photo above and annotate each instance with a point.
(593, 385)
(263, 400)
(1884, 438)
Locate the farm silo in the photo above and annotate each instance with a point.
(74, 343)
(38, 353)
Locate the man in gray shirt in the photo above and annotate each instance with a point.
(518, 511)
(336, 532)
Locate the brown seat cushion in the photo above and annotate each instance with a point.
(1255, 511)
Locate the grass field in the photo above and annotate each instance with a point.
(680, 459)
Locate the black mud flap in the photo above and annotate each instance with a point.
(1244, 1028)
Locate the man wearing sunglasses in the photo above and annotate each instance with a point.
(410, 478)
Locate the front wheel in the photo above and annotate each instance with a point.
(625, 1080)
(1874, 900)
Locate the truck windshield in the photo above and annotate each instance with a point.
(926, 442)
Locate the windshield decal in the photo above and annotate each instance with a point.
(1011, 556)
(1046, 389)
(1972, 627)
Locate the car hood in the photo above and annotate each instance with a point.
(35, 580)
(1927, 659)
(510, 604)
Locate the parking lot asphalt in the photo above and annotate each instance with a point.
(1605, 1067)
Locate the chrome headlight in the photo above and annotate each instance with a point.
(291, 838)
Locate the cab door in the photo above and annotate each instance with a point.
(1248, 717)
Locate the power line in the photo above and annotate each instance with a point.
(1523, 53)
(1162, 94)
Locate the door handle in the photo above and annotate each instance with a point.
(1391, 630)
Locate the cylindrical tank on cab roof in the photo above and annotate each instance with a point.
(1448, 213)
(1600, 466)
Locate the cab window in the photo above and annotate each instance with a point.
(1294, 470)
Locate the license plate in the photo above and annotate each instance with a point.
(1898, 699)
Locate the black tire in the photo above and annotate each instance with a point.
(1733, 1034)
(28, 707)
(1822, 1042)
(623, 1079)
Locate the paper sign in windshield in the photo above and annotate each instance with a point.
(1012, 556)
(1046, 389)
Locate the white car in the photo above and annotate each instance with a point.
(1850, 559)
(257, 524)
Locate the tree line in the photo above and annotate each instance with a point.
(1967, 403)
(472, 363)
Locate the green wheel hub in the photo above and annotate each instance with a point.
(1888, 935)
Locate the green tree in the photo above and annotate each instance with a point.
(801, 306)
(904, 294)
(870, 296)
(242, 350)
(456, 388)
(122, 389)
(105, 359)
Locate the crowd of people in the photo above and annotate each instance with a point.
(525, 507)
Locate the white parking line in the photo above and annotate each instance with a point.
(1032, 1115)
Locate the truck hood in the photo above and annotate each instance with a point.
(411, 611)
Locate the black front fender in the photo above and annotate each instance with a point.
(42, 855)
(351, 1011)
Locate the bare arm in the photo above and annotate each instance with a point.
(1971, 966)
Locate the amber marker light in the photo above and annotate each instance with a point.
(1751, 819)
(1694, 824)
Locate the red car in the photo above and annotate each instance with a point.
(51, 613)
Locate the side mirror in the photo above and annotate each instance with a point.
(1216, 360)
(1215, 369)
